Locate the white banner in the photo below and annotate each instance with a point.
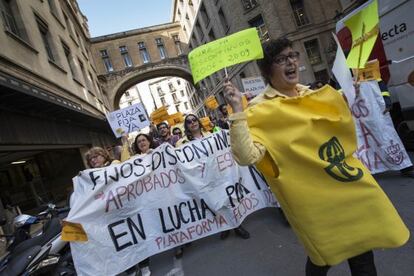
(128, 119)
(379, 147)
(342, 73)
(155, 202)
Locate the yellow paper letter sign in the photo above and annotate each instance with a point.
(73, 232)
(233, 49)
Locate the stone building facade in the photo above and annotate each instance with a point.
(51, 103)
(307, 23)
(127, 58)
(171, 92)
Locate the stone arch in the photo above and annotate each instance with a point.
(135, 77)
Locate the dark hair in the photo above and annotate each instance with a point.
(97, 151)
(271, 49)
(162, 123)
(149, 139)
(221, 107)
(187, 131)
(175, 129)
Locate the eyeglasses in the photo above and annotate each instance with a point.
(94, 157)
(192, 120)
(282, 59)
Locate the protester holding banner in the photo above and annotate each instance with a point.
(223, 121)
(193, 129)
(143, 144)
(164, 135)
(303, 142)
(177, 131)
(98, 157)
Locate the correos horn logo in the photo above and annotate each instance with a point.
(333, 152)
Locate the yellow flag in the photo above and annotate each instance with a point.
(233, 49)
(364, 29)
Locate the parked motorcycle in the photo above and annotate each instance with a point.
(43, 254)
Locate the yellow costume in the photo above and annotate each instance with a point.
(304, 146)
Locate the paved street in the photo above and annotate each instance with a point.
(274, 250)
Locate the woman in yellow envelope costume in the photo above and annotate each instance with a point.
(303, 141)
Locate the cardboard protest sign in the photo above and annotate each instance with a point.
(253, 86)
(370, 72)
(155, 202)
(206, 123)
(211, 102)
(233, 49)
(364, 29)
(379, 146)
(128, 119)
(175, 118)
(159, 115)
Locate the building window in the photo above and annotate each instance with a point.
(171, 86)
(68, 25)
(182, 93)
(194, 40)
(258, 22)
(161, 48)
(249, 4)
(190, 3)
(82, 47)
(125, 56)
(160, 92)
(10, 15)
(211, 35)
(163, 101)
(179, 13)
(204, 15)
(126, 93)
(216, 78)
(199, 31)
(299, 12)
(90, 80)
(177, 107)
(186, 105)
(322, 76)
(106, 61)
(174, 97)
(144, 53)
(47, 41)
(52, 7)
(178, 82)
(85, 78)
(69, 59)
(177, 43)
(223, 20)
(313, 52)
